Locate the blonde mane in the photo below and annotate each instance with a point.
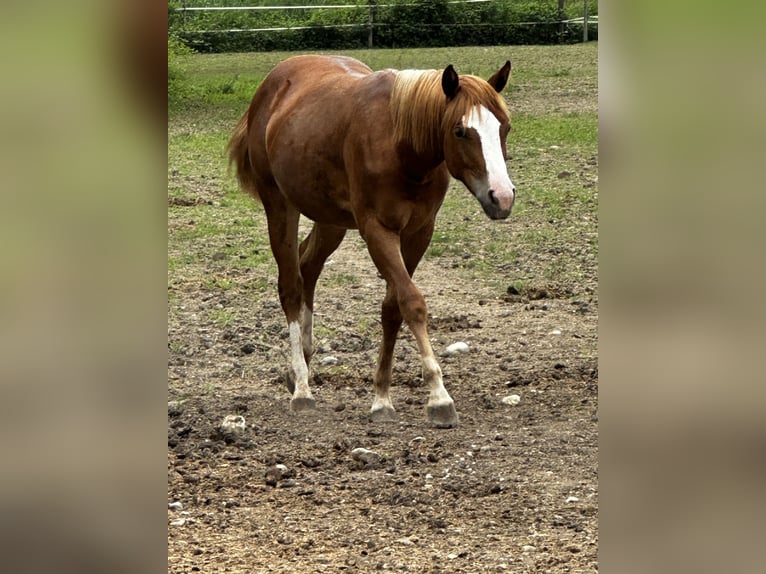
(421, 113)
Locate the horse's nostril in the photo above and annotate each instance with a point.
(492, 197)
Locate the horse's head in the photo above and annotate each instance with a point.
(476, 124)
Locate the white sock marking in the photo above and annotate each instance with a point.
(298, 363)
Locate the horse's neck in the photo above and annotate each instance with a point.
(419, 166)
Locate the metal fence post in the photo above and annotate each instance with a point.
(371, 4)
(585, 21)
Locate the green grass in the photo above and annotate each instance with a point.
(550, 238)
(339, 279)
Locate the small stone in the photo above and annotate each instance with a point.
(233, 424)
(178, 522)
(276, 473)
(175, 506)
(339, 407)
(247, 348)
(573, 499)
(405, 542)
(555, 332)
(451, 556)
(368, 457)
(511, 400)
(455, 348)
(329, 360)
(528, 548)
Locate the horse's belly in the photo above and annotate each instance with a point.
(317, 196)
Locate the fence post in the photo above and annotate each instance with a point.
(585, 21)
(561, 21)
(371, 4)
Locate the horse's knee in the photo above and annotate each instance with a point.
(412, 306)
(390, 313)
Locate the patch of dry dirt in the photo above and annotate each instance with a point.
(512, 489)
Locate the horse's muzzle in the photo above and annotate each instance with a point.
(495, 212)
(497, 207)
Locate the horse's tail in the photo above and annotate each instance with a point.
(239, 156)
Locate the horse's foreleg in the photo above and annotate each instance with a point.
(397, 263)
(441, 408)
(391, 319)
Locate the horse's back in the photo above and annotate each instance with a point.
(319, 65)
(308, 77)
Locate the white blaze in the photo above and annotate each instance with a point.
(487, 127)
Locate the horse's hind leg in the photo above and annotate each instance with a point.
(283, 235)
(314, 251)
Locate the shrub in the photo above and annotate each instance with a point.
(179, 87)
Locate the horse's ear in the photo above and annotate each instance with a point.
(450, 82)
(500, 78)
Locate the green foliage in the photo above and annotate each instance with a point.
(179, 87)
(397, 24)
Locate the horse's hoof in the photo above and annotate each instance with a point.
(301, 404)
(443, 416)
(383, 415)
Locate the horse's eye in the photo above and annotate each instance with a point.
(459, 131)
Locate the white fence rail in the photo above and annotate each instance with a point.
(585, 20)
(311, 7)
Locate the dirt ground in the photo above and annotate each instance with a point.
(513, 488)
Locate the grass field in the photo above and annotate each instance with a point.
(553, 162)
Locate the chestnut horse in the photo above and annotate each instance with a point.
(350, 148)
